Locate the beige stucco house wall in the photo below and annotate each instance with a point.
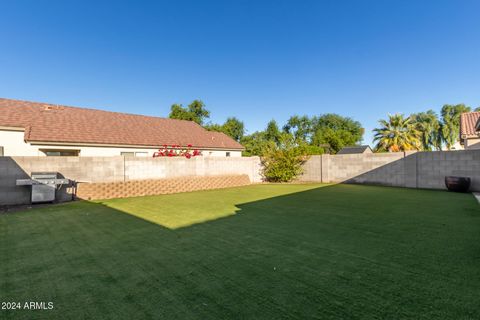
(13, 143)
(472, 143)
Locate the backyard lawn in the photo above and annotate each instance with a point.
(257, 252)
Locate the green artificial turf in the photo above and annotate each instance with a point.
(257, 252)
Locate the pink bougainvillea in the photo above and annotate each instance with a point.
(176, 150)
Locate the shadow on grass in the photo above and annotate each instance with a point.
(341, 251)
(186, 209)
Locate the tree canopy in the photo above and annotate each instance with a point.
(231, 127)
(195, 111)
(336, 131)
(273, 133)
(314, 134)
(431, 131)
(451, 123)
(429, 127)
(397, 134)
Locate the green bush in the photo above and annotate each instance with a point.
(282, 162)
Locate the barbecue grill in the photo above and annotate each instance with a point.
(44, 185)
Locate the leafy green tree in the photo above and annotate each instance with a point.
(451, 123)
(336, 131)
(282, 162)
(335, 139)
(214, 127)
(195, 111)
(272, 133)
(300, 127)
(232, 127)
(429, 127)
(315, 135)
(255, 143)
(397, 134)
(315, 150)
(338, 122)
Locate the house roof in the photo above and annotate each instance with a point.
(62, 124)
(469, 124)
(354, 149)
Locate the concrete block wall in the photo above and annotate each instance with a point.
(354, 168)
(115, 169)
(137, 188)
(413, 170)
(432, 167)
(410, 169)
(312, 170)
(250, 166)
(9, 192)
(84, 169)
(159, 168)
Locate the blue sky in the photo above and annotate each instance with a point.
(255, 60)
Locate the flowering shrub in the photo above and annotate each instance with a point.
(176, 150)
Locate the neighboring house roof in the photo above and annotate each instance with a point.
(354, 150)
(469, 124)
(62, 124)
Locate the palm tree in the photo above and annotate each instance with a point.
(397, 134)
(429, 127)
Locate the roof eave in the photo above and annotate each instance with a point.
(114, 145)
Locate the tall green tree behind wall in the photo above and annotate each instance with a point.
(315, 134)
(195, 111)
(232, 127)
(451, 123)
(429, 128)
(433, 132)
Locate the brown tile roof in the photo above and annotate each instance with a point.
(54, 123)
(468, 124)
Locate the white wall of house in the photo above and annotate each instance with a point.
(13, 144)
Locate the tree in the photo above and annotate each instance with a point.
(336, 131)
(451, 123)
(282, 162)
(255, 143)
(272, 133)
(397, 134)
(300, 127)
(317, 134)
(232, 127)
(335, 139)
(429, 127)
(195, 111)
(214, 127)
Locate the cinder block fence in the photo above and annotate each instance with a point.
(107, 177)
(103, 177)
(411, 169)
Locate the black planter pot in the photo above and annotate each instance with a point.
(457, 184)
